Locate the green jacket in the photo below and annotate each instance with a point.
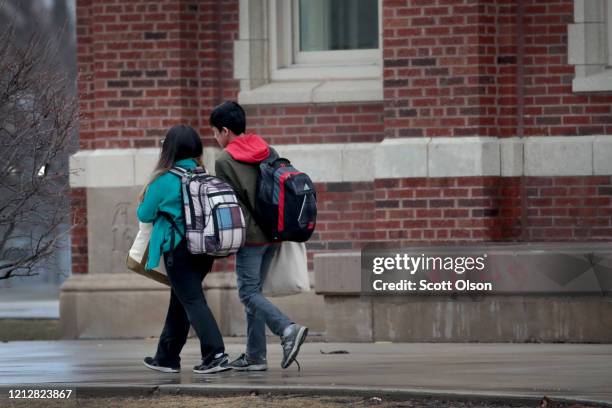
(164, 195)
(242, 176)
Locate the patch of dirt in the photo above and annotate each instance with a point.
(29, 329)
(266, 401)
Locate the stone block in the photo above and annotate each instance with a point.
(279, 93)
(461, 157)
(348, 318)
(602, 155)
(322, 162)
(112, 306)
(358, 161)
(338, 273)
(348, 91)
(402, 157)
(492, 319)
(127, 305)
(559, 156)
(589, 11)
(144, 163)
(511, 157)
(111, 168)
(112, 227)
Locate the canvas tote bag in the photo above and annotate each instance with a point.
(287, 273)
(139, 254)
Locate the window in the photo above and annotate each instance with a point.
(590, 45)
(335, 30)
(325, 39)
(309, 51)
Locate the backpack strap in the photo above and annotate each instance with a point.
(177, 171)
(181, 172)
(174, 226)
(171, 221)
(272, 155)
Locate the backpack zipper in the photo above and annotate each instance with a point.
(218, 193)
(302, 209)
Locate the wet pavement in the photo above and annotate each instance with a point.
(573, 371)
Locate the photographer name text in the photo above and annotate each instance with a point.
(389, 271)
(426, 286)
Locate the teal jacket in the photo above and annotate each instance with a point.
(164, 195)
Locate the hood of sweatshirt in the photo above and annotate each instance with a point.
(249, 148)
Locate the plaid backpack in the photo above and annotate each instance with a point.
(285, 201)
(214, 223)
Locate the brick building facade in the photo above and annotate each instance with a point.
(485, 121)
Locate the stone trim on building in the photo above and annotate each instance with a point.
(392, 158)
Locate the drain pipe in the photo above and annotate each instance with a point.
(520, 111)
(219, 48)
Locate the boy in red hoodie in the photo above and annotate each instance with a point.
(238, 165)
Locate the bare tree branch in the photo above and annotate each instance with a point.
(37, 118)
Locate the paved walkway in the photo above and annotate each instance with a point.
(571, 371)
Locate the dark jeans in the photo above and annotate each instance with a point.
(188, 305)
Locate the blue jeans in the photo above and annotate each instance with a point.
(251, 264)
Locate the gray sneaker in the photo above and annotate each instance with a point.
(291, 344)
(216, 365)
(244, 363)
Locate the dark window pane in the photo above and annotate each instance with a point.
(327, 25)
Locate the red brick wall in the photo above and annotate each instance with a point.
(344, 215)
(78, 234)
(450, 69)
(144, 67)
(148, 66)
(446, 209)
(439, 67)
(318, 123)
(85, 71)
(218, 30)
(489, 209)
(570, 208)
(551, 107)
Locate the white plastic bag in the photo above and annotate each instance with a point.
(287, 273)
(139, 254)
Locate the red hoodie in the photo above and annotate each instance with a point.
(249, 148)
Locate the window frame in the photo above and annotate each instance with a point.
(321, 65)
(608, 14)
(330, 57)
(265, 76)
(590, 46)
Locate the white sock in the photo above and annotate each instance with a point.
(218, 355)
(288, 329)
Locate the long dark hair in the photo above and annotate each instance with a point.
(181, 142)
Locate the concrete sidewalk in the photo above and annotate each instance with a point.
(570, 371)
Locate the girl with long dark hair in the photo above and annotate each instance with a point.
(160, 202)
